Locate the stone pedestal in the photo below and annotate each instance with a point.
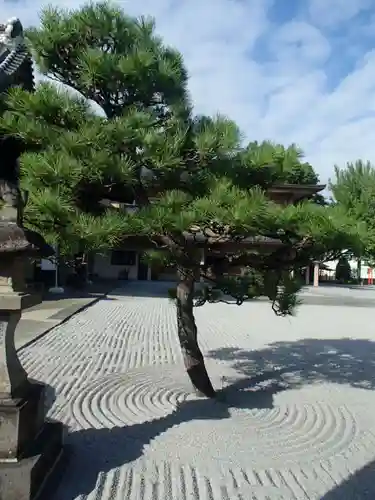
(30, 446)
(27, 477)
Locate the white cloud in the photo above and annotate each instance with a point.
(289, 82)
(301, 43)
(333, 12)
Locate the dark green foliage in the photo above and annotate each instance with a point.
(267, 163)
(343, 271)
(111, 58)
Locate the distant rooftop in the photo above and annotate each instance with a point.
(291, 193)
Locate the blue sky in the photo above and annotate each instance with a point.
(287, 70)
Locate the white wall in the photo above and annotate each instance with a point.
(353, 264)
(104, 269)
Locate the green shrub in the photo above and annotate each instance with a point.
(343, 270)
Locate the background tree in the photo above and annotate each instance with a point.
(353, 189)
(269, 163)
(200, 194)
(343, 272)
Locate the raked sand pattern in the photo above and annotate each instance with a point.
(137, 430)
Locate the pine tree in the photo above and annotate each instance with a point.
(200, 194)
(353, 189)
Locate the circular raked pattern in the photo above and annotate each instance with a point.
(276, 429)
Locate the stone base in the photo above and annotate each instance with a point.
(18, 301)
(25, 479)
(21, 420)
(56, 290)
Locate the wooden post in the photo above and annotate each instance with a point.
(316, 274)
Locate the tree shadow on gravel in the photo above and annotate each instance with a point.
(295, 364)
(94, 452)
(340, 361)
(358, 486)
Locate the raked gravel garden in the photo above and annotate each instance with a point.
(294, 418)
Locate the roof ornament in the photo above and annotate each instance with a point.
(13, 49)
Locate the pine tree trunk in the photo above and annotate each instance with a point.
(187, 334)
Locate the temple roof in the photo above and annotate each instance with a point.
(291, 193)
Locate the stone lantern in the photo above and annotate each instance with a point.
(30, 446)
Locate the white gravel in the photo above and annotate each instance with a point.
(137, 431)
